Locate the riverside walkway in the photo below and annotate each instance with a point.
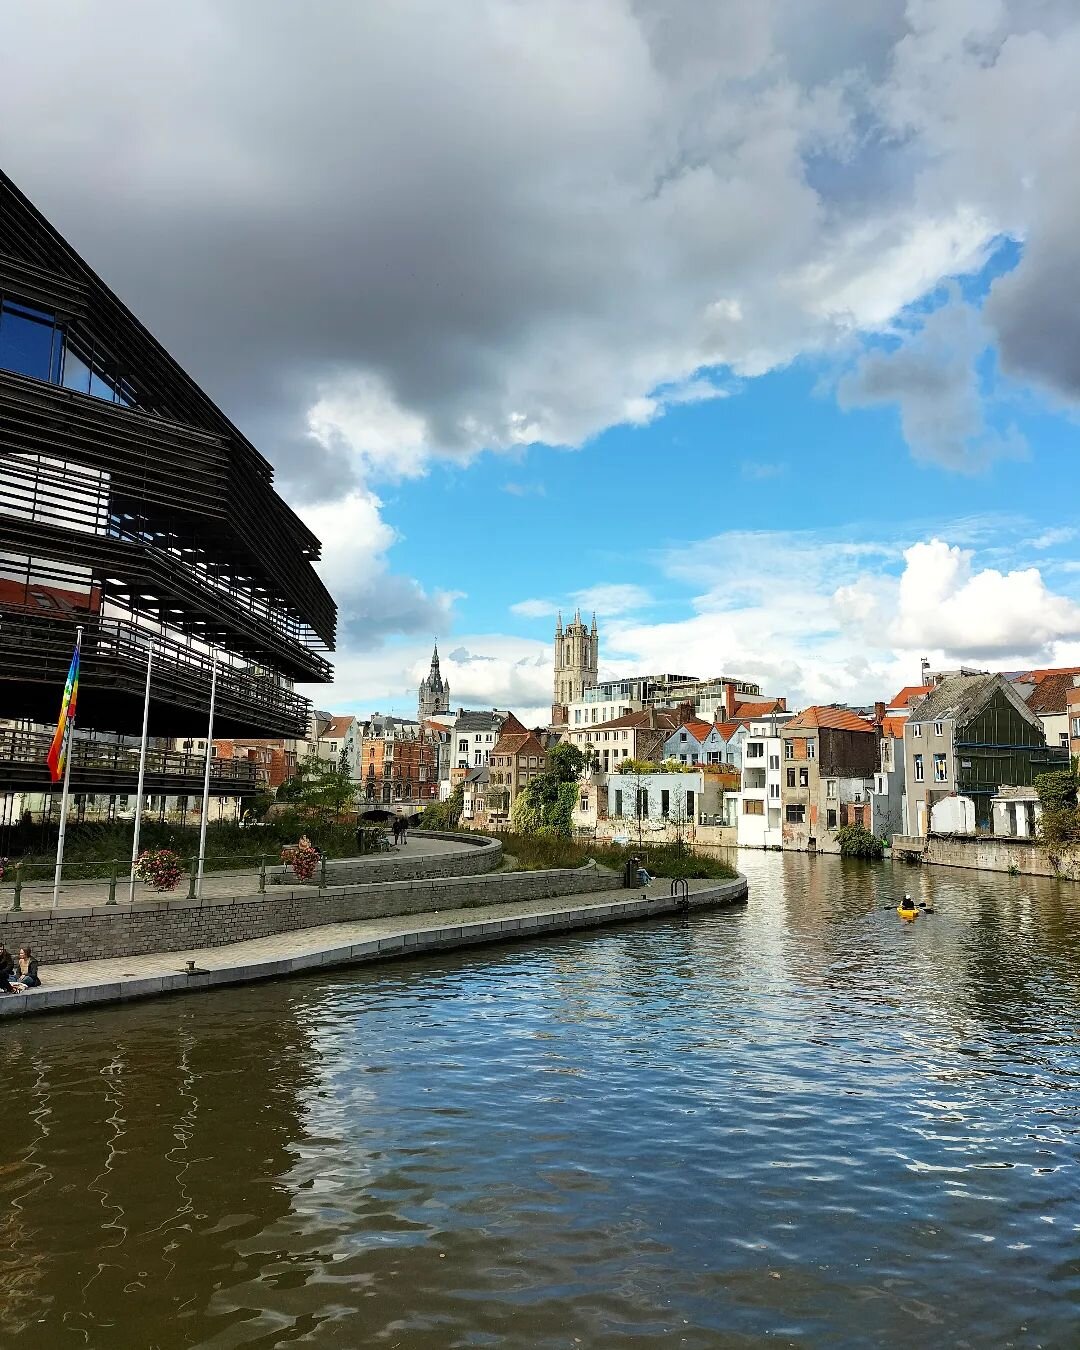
(77, 984)
(37, 895)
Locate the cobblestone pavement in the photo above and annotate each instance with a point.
(124, 977)
(38, 895)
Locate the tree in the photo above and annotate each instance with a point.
(444, 815)
(1059, 828)
(319, 786)
(856, 841)
(545, 805)
(565, 762)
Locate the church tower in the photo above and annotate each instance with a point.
(576, 663)
(434, 691)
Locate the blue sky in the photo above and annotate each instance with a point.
(753, 324)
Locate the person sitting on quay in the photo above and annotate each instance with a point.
(644, 878)
(26, 971)
(7, 965)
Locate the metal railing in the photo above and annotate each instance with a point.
(90, 756)
(110, 882)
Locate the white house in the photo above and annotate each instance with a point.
(757, 804)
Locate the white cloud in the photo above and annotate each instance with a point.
(945, 604)
(612, 599)
(534, 609)
(373, 601)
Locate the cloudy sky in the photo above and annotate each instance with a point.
(754, 324)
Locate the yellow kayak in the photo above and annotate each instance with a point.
(907, 914)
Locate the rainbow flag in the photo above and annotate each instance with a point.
(58, 750)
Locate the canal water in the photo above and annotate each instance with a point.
(802, 1123)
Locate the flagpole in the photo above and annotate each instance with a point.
(142, 776)
(206, 780)
(69, 736)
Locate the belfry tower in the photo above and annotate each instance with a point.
(434, 690)
(576, 655)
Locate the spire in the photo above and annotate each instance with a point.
(435, 658)
(594, 622)
(577, 617)
(558, 625)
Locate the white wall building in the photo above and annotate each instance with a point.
(758, 818)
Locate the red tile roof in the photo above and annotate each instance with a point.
(697, 728)
(894, 727)
(838, 719)
(727, 729)
(761, 708)
(1051, 692)
(910, 695)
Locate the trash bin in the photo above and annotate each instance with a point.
(630, 877)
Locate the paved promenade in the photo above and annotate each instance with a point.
(37, 895)
(78, 984)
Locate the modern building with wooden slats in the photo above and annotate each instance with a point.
(130, 504)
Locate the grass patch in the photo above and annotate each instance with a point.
(533, 853)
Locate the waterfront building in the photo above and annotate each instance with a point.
(131, 505)
(473, 735)
(971, 735)
(720, 698)
(398, 764)
(637, 735)
(516, 758)
(1072, 706)
(667, 803)
(1046, 692)
(756, 809)
(830, 755)
(434, 694)
(332, 738)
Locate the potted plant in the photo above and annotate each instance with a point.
(159, 867)
(303, 857)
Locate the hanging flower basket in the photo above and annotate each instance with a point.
(302, 857)
(160, 868)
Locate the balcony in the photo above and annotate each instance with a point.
(35, 652)
(106, 766)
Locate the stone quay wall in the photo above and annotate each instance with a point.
(177, 925)
(479, 854)
(985, 853)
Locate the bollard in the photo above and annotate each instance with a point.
(322, 871)
(262, 875)
(192, 873)
(112, 886)
(16, 904)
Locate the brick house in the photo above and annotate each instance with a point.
(399, 766)
(516, 758)
(830, 756)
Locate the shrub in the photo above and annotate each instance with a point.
(534, 852)
(858, 842)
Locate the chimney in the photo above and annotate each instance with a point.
(729, 702)
(684, 713)
(879, 715)
(652, 718)
(924, 671)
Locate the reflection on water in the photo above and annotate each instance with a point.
(804, 1122)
